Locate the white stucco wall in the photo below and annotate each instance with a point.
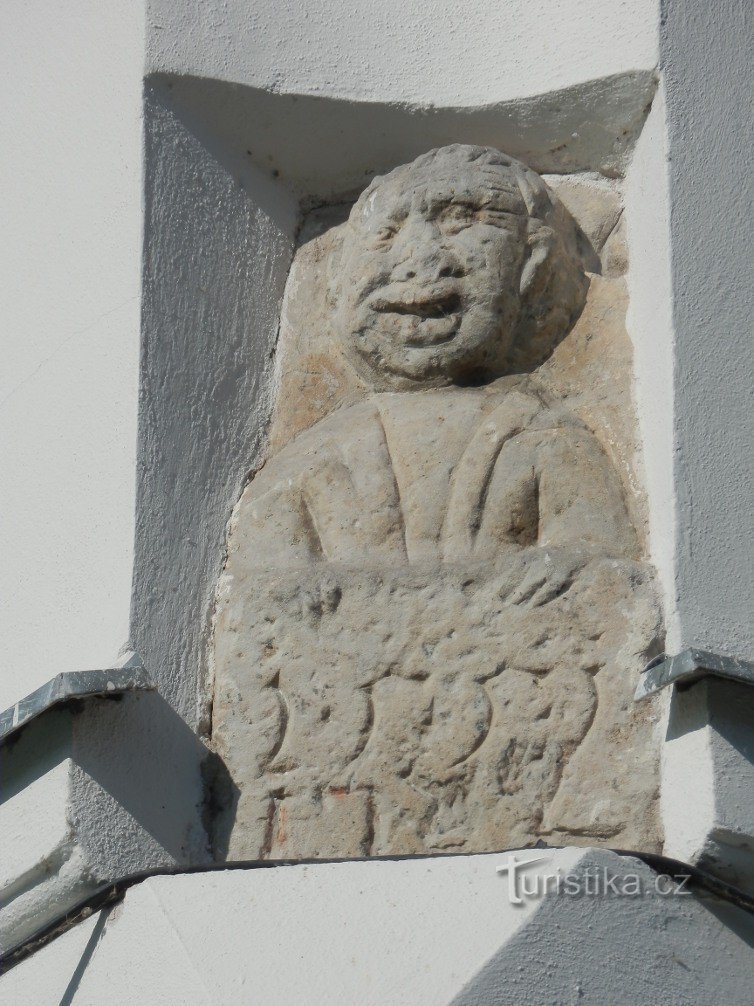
(424, 932)
(255, 107)
(426, 51)
(70, 197)
(218, 245)
(215, 266)
(71, 222)
(650, 325)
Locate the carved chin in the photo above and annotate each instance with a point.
(401, 350)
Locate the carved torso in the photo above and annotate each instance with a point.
(436, 476)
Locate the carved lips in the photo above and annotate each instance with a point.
(434, 315)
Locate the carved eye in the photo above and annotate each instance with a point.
(457, 216)
(387, 232)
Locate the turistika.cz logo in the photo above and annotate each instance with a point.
(588, 882)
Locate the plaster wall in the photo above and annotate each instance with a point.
(218, 243)
(650, 324)
(90, 795)
(52, 975)
(688, 201)
(219, 235)
(438, 52)
(706, 62)
(419, 931)
(70, 218)
(357, 932)
(708, 780)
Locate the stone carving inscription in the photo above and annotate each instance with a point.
(434, 605)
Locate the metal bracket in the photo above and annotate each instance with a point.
(689, 666)
(130, 677)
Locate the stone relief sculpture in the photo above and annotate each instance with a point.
(434, 606)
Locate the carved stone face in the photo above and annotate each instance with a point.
(430, 273)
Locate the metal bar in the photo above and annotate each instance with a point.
(73, 685)
(691, 665)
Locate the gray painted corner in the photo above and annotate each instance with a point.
(622, 950)
(705, 57)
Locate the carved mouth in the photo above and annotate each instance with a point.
(421, 306)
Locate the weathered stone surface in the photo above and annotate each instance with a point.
(590, 373)
(434, 606)
(459, 707)
(595, 203)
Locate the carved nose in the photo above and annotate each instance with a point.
(427, 260)
(427, 272)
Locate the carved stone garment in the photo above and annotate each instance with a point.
(433, 476)
(423, 634)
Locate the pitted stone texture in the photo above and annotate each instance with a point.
(444, 474)
(595, 203)
(454, 269)
(428, 635)
(314, 379)
(433, 611)
(430, 709)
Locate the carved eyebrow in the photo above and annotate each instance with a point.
(491, 203)
(505, 201)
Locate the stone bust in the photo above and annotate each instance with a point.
(412, 620)
(446, 264)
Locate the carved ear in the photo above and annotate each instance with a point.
(333, 271)
(536, 271)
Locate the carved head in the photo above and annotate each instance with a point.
(456, 268)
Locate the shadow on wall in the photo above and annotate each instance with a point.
(139, 757)
(323, 148)
(709, 775)
(574, 948)
(220, 805)
(217, 248)
(134, 767)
